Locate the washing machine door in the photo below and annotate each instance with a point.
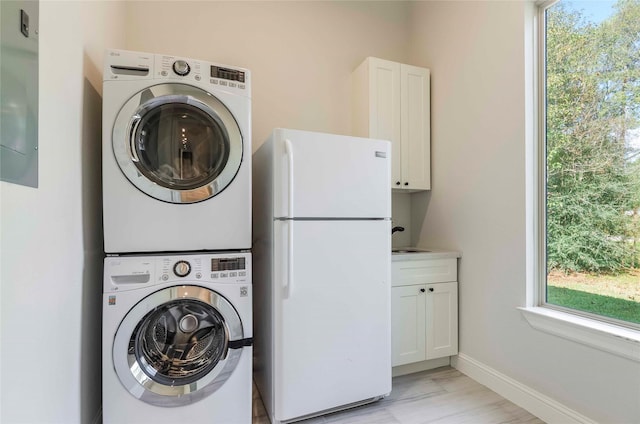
(178, 345)
(177, 143)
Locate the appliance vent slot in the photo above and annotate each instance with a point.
(129, 70)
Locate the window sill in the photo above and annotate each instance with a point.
(620, 341)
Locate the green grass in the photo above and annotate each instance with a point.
(608, 306)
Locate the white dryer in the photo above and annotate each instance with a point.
(176, 154)
(177, 339)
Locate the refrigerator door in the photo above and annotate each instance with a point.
(332, 337)
(321, 175)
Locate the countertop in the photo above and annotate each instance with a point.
(422, 254)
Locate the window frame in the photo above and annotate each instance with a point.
(614, 336)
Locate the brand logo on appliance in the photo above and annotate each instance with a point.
(381, 154)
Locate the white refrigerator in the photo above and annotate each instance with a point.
(322, 246)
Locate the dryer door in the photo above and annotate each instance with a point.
(177, 143)
(178, 345)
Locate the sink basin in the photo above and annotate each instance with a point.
(408, 250)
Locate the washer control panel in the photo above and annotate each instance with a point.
(123, 273)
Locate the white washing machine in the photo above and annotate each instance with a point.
(176, 154)
(177, 339)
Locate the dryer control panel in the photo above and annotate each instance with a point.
(215, 75)
(129, 65)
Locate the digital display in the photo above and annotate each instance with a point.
(226, 73)
(227, 264)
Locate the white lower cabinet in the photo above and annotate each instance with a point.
(408, 325)
(442, 320)
(424, 317)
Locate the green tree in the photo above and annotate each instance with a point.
(593, 104)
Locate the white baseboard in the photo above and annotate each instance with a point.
(542, 406)
(420, 366)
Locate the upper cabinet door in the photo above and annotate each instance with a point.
(384, 109)
(391, 102)
(415, 127)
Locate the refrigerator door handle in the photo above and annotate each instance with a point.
(288, 148)
(289, 286)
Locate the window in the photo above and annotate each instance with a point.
(591, 162)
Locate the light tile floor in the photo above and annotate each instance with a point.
(442, 396)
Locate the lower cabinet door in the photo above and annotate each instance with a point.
(408, 324)
(442, 320)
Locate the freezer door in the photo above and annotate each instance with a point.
(321, 175)
(332, 337)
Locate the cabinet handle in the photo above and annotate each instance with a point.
(430, 289)
(422, 290)
(397, 182)
(406, 184)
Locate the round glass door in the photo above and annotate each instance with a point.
(172, 348)
(177, 143)
(179, 342)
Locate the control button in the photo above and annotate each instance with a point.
(233, 274)
(198, 275)
(214, 81)
(165, 277)
(181, 68)
(197, 77)
(214, 275)
(242, 274)
(232, 84)
(241, 86)
(223, 83)
(164, 73)
(182, 268)
(223, 275)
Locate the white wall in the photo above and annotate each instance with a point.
(476, 53)
(401, 217)
(301, 53)
(52, 236)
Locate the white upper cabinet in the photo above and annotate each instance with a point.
(415, 140)
(391, 102)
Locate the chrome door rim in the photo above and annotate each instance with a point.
(143, 387)
(134, 110)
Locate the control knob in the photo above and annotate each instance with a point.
(181, 67)
(182, 268)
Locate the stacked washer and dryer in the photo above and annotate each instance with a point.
(177, 293)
